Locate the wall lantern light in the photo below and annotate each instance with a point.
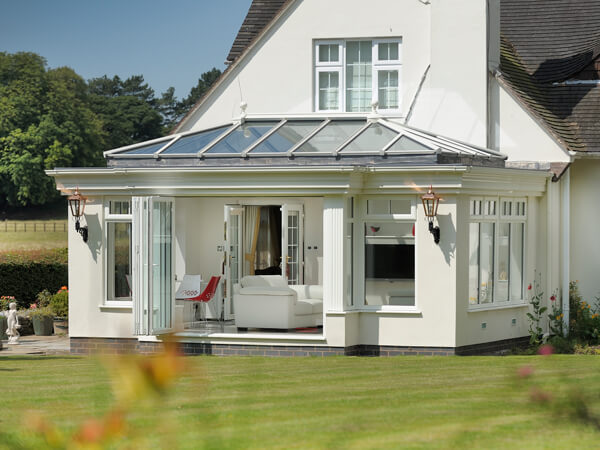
(77, 205)
(431, 202)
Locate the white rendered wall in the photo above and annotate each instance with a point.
(278, 76)
(520, 137)
(87, 315)
(585, 217)
(453, 101)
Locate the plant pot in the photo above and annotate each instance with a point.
(42, 325)
(61, 326)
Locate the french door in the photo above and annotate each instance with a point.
(233, 263)
(153, 274)
(292, 243)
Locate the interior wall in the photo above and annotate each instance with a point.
(200, 234)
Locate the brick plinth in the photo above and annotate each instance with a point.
(87, 346)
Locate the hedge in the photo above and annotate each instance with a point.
(24, 274)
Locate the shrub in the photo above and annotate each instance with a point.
(584, 324)
(41, 312)
(59, 303)
(43, 298)
(24, 274)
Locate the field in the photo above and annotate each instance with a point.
(337, 402)
(32, 234)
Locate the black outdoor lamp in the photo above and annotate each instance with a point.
(77, 205)
(430, 204)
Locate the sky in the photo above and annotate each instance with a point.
(170, 43)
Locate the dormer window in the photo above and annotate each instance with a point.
(350, 74)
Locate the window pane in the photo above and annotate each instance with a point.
(119, 207)
(332, 136)
(373, 139)
(242, 137)
(401, 206)
(378, 206)
(388, 51)
(358, 76)
(389, 264)
(195, 142)
(405, 144)
(329, 92)
(329, 53)
(387, 82)
(516, 261)
(486, 262)
(146, 149)
(504, 268)
(119, 260)
(473, 263)
(287, 136)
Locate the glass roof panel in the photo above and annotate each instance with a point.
(195, 142)
(287, 136)
(331, 137)
(145, 150)
(406, 144)
(242, 137)
(373, 139)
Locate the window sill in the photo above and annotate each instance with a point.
(492, 307)
(116, 306)
(392, 311)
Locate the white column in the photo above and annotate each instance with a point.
(333, 254)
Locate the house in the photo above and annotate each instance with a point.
(300, 180)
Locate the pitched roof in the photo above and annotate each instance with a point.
(261, 12)
(545, 43)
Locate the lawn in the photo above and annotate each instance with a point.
(30, 239)
(337, 402)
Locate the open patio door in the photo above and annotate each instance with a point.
(233, 260)
(292, 243)
(153, 274)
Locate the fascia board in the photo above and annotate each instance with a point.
(510, 181)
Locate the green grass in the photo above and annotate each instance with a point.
(338, 402)
(32, 240)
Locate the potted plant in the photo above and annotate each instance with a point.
(59, 303)
(42, 320)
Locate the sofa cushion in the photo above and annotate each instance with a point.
(308, 291)
(266, 290)
(263, 280)
(303, 308)
(317, 304)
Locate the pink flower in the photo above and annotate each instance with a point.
(33, 306)
(546, 350)
(525, 372)
(553, 298)
(529, 287)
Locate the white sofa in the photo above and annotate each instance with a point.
(267, 301)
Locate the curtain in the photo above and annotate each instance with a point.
(250, 238)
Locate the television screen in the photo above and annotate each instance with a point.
(390, 261)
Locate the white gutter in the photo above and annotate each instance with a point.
(566, 220)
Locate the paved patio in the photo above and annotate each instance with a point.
(37, 345)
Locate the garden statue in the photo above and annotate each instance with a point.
(13, 324)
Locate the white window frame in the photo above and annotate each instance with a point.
(497, 217)
(115, 218)
(377, 65)
(361, 217)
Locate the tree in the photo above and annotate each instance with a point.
(45, 121)
(128, 109)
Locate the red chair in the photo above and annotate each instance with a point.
(207, 294)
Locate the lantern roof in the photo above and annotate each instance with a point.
(306, 140)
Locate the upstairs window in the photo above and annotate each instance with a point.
(349, 75)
